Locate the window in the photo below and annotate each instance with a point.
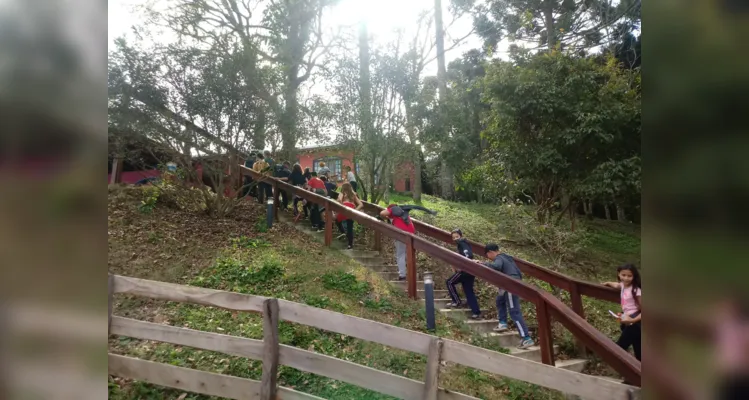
(333, 163)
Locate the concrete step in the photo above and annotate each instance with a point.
(456, 313)
(482, 326)
(404, 284)
(505, 339)
(439, 304)
(575, 364)
(532, 353)
(438, 293)
(355, 253)
(372, 261)
(389, 275)
(384, 267)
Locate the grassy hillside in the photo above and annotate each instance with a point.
(241, 255)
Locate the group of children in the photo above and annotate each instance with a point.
(320, 182)
(629, 283)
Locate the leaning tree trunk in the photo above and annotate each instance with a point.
(607, 209)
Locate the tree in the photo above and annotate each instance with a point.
(447, 173)
(190, 104)
(281, 47)
(555, 118)
(549, 23)
(367, 111)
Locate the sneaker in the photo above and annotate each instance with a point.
(454, 305)
(476, 316)
(401, 278)
(349, 247)
(341, 236)
(525, 343)
(501, 327)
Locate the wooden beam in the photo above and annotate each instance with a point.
(433, 369)
(377, 245)
(570, 382)
(411, 268)
(195, 381)
(328, 226)
(360, 328)
(276, 201)
(545, 339)
(268, 383)
(577, 306)
(188, 294)
(303, 360)
(231, 345)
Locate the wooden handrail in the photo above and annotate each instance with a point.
(612, 354)
(551, 277)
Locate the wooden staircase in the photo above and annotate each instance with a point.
(386, 268)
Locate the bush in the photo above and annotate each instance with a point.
(557, 242)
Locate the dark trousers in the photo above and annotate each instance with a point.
(505, 299)
(467, 281)
(347, 227)
(631, 336)
(284, 199)
(354, 185)
(315, 217)
(265, 191)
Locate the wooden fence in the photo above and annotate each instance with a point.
(547, 306)
(273, 354)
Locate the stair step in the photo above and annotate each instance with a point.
(361, 253)
(439, 304)
(460, 313)
(532, 353)
(384, 267)
(482, 326)
(389, 275)
(404, 284)
(438, 293)
(575, 364)
(505, 339)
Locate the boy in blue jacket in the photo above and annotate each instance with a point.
(502, 262)
(464, 278)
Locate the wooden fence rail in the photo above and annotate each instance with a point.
(546, 305)
(273, 354)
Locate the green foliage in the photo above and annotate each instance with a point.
(261, 226)
(556, 118)
(345, 282)
(150, 197)
(232, 274)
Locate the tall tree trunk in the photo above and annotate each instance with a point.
(365, 95)
(621, 216)
(551, 34)
(447, 174)
(588, 208)
(607, 209)
(258, 132)
(415, 152)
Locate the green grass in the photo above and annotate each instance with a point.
(305, 273)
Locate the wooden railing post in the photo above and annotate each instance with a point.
(411, 267)
(433, 369)
(268, 385)
(276, 201)
(328, 225)
(577, 307)
(545, 340)
(116, 176)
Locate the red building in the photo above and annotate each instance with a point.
(337, 157)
